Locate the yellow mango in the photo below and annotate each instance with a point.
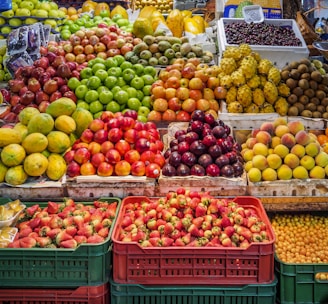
(174, 22)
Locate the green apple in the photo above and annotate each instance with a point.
(80, 91)
(35, 2)
(116, 89)
(110, 62)
(23, 12)
(95, 106)
(147, 101)
(132, 92)
(86, 73)
(15, 22)
(128, 74)
(93, 83)
(121, 82)
(134, 103)
(137, 82)
(102, 88)
(113, 106)
(97, 115)
(65, 34)
(45, 6)
(3, 50)
(61, 14)
(90, 96)
(139, 69)
(8, 14)
(101, 74)
(116, 17)
(142, 118)
(98, 66)
(143, 111)
(150, 70)
(82, 104)
(140, 94)
(110, 82)
(27, 4)
(126, 65)
(73, 83)
(17, 1)
(119, 59)
(147, 90)
(84, 81)
(105, 97)
(122, 22)
(114, 71)
(121, 97)
(41, 13)
(29, 21)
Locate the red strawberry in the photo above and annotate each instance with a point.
(216, 230)
(154, 233)
(166, 215)
(177, 224)
(264, 235)
(43, 241)
(56, 222)
(68, 221)
(201, 210)
(103, 232)
(44, 230)
(62, 236)
(34, 222)
(229, 230)
(44, 221)
(179, 242)
(198, 221)
(25, 232)
(251, 221)
(175, 234)
(226, 242)
(138, 236)
(72, 244)
(100, 204)
(186, 238)
(32, 210)
(52, 207)
(193, 230)
(14, 244)
(186, 222)
(246, 233)
(146, 243)
(27, 242)
(244, 244)
(193, 203)
(71, 230)
(69, 202)
(168, 228)
(78, 220)
(33, 234)
(107, 222)
(256, 237)
(208, 234)
(95, 239)
(255, 228)
(87, 230)
(80, 239)
(151, 224)
(225, 222)
(166, 241)
(53, 232)
(206, 225)
(155, 241)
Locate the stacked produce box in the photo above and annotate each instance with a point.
(171, 247)
(59, 252)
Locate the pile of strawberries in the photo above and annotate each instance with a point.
(64, 225)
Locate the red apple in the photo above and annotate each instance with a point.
(73, 169)
(15, 85)
(50, 86)
(97, 159)
(43, 106)
(27, 98)
(115, 134)
(33, 85)
(69, 156)
(113, 156)
(100, 136)
(71, 95)
(153, 170)
(196, 84)
(54, 96)
(14, 100)
(82, 155)
(87, 136)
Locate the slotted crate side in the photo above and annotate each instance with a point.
(297, 283)
(84, 294)
(202, 265)
(247, 294)
(87, 265)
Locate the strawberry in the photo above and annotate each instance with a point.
(226, 242)
(155, 241)
(145, 243)
(193, 230)
(251, 221)
(235, 238)
(44, 230)
(80, 239)
(126, 221)
(225, 222)
(100, 204)
(198, 221)
(246, 233)
(62, 236)
(208, 234)
(53, 233)
(71, 244)
(56, 222)
(154, 233)
(107, 222)
(130, 227)
(27, 242)
(33, 234)
(14, 244)
(255, 228)
(244, 244)
(168, 228)
(52, 207)
(256, 237)
(69, 202)
(87, 230)
(43, 241)
(175, 234)
(166, 241)
(166, 215)
(68, 221)
(200, 242)
(44, 221)
(179, 242)
(181, 190)
(78, 220)
(95, 239)
(193, 203)
(32, 210)
(71, 230)
(229, 230)
(264, 235)
(238, 219)
(216, 230)
(34, 222)
(206, 225)
(151, 224)
(103, 232)
(173, 202)
(140, 221)
(25, 232)
(177, 224)
(186, 238)
(200, 210)
(182, 201)
(138, 236)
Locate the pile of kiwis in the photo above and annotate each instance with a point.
(308, 89)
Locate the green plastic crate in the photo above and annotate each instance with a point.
(87, 265)
(168, 294)
(297, 283)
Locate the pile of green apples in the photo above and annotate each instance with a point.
(114, 85)
(26, 12)
(86, 21)
(4, 74)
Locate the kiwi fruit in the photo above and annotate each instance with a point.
(316, 76)
(304, 99)
(293, 111)
(316, 114)
(303, 84)
(292, 98)
(284, 74)
(325, 80)
(303, 68)
(305, 61)
(306, 76)
(297, 91)
(313, 84)
(293, 65)
(306, 113)
(311, 107)
(320, 94)
(321, 108)
(323, 87)
(324, 101)
(325, 115)
(299, 106)
(315, 100)
(295, 74)
(309, 93)
(292, 83)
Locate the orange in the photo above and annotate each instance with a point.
(322, 139)
(326, 131)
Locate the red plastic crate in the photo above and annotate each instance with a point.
(133, 264)
(84, 294)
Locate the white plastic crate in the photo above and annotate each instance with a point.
(279, 55)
